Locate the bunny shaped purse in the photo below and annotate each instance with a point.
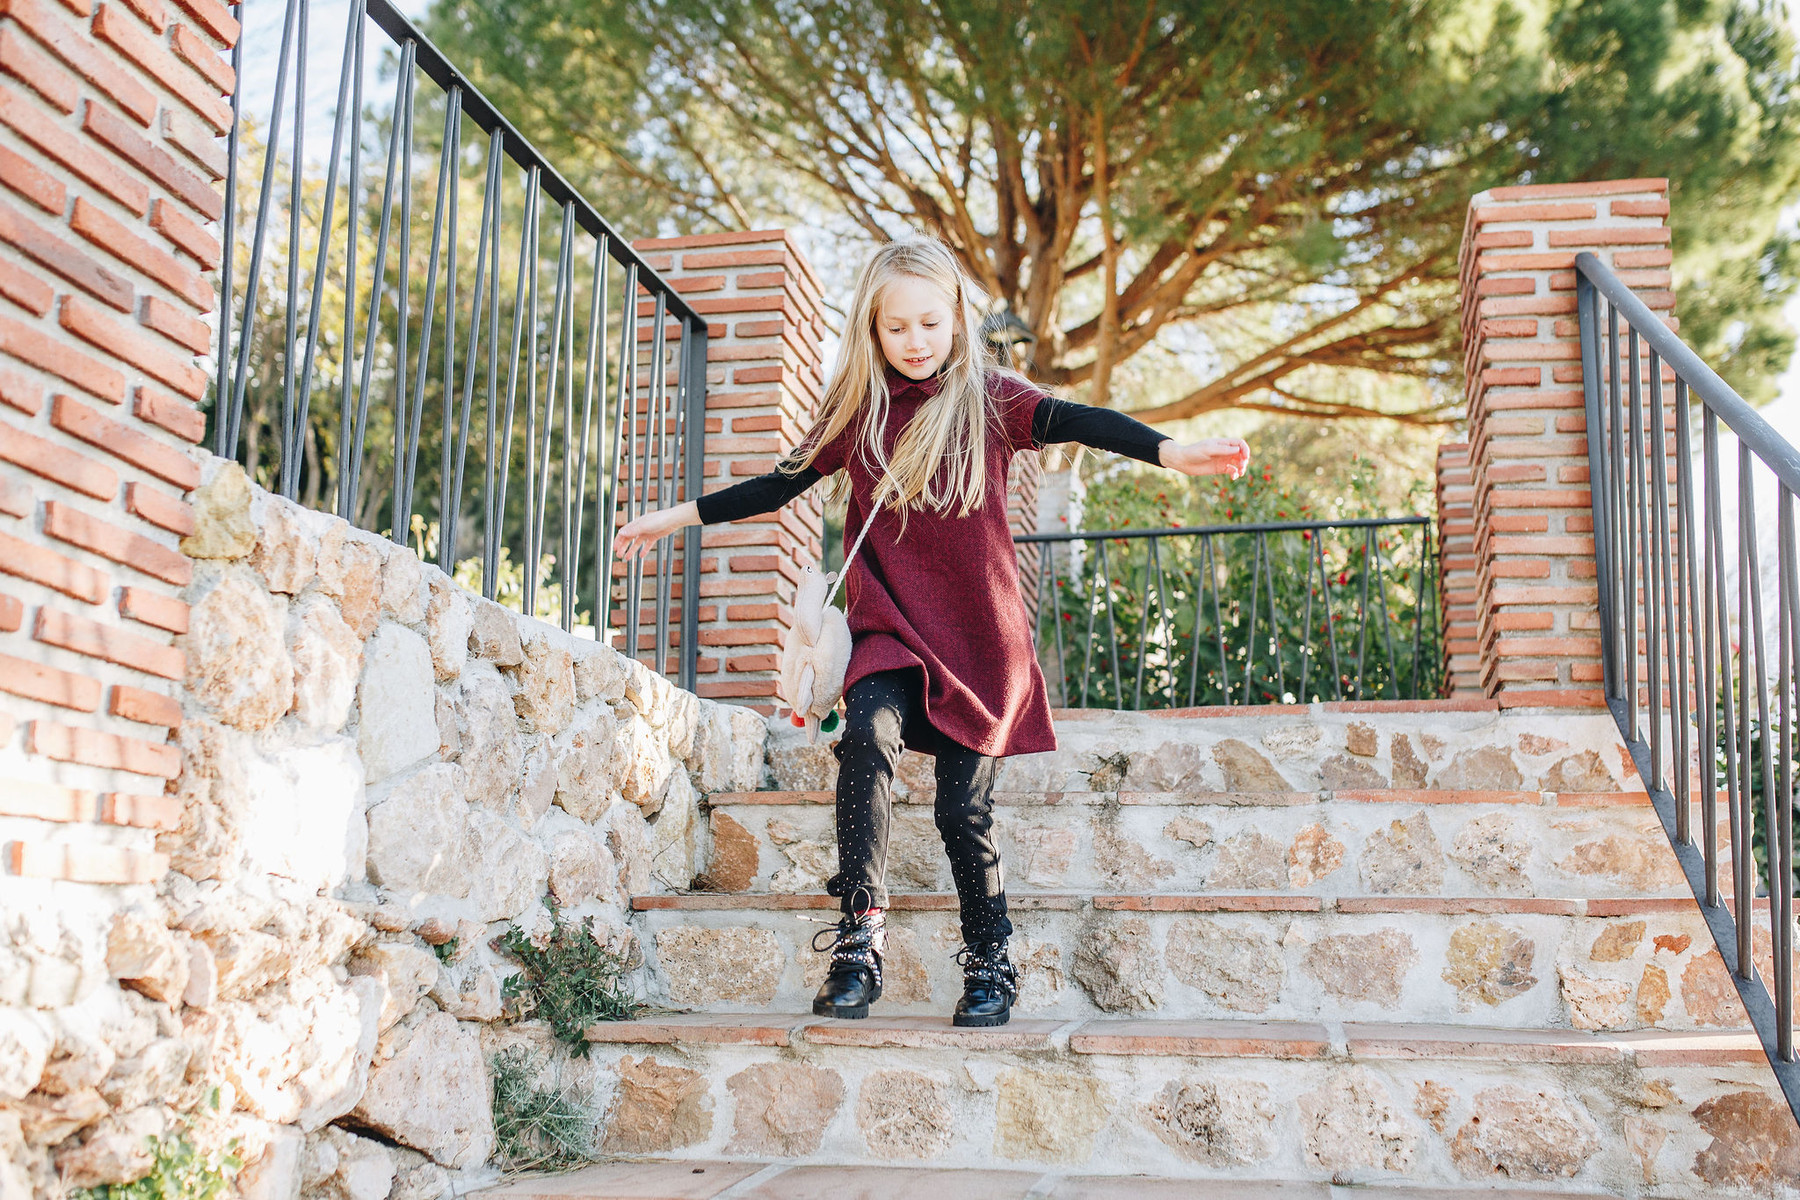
(816, 654)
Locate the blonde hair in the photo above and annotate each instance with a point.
(940, 460)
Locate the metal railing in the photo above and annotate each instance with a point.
(310, 322)
(1707, 713)
(1267, 613)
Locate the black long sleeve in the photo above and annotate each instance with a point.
(765, 493)
(1102, 428)
(1052, 421)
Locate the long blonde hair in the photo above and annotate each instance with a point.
(940, 460)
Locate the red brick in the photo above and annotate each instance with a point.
(24, 62)
(180, 418)
(1559, 191)
(756, 329)
(213, 17)
(133, 550)
(61, 359)
(1640, 208)
(25, 289)
(87, 322)
(153, 609)
(152, 13)
(163, 461)
(1502, 239)
(185, 331)
(34, 681)
(59, 464)
(47, 801)
(758, 375)
(144, 812)
(147, 708)
(112, 25)
(109, 643)
(1511, 376)
(12, 613)
(185, 233)
(159, 508)
(751, 612)
(15, 496)
(740, 637)
(1622, 259)
(195, 140)
(152, 160)
(1534, 212)
(31, 239)
(25, 116)
(80, 863)
(751, 662)
(42, 565)
(23, 177)
(94, 224)
(1634, 235)
(99, 67)
(699, 283)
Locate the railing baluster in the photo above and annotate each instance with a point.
(1715, 658)
(595, 361)
(1683, 671)
(1781, 799)
(1743, 856)
(450, 501)
(665, 476)
(1655, 569)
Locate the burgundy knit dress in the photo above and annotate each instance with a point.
(943, 594)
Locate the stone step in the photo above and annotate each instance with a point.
(1231, 1104)
(1352, 1041)
(1290, 749)
(1464, 842)
(1522, 962)
(713, 1179)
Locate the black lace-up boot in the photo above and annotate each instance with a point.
(990, 985)
(854, 980)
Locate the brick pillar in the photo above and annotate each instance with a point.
(1535, 599)
(1456, 575)
(109, 166)
(763, 385)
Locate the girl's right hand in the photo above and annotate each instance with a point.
(636, 538)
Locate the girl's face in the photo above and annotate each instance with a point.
(913, 322)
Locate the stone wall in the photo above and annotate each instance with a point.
(381, 773)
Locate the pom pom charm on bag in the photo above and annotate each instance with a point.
(815, 655)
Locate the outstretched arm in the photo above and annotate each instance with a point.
(1105, 429)
(765, 493)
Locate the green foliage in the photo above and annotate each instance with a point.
(1240, 617)
(1284, 182)
(569, 979)
(180, 1171)
(446, 951)
(538, 1127)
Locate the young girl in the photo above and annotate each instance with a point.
(919, 426)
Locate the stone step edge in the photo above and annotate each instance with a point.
(1348, 1041)
(1213, 902)
(1067, 799)
(640, 1178)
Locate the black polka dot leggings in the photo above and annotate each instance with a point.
(884, 712)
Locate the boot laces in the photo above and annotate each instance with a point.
(985, 964)
(856, 941)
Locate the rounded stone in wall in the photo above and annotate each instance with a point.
(736, 964)
(238, 666)
(905, 1115)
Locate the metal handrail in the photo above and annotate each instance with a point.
(1698, 711)
(1246, 641)
(649, 456)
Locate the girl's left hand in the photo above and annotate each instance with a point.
(1208, 456)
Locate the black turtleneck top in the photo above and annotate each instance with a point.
(1053, 422)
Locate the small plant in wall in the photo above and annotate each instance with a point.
(540, 1124)
(569, 978)
(179, 1170)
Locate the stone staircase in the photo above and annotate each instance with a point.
(1427, 947)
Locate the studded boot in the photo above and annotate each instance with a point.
(990, 985)
(853, 981)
